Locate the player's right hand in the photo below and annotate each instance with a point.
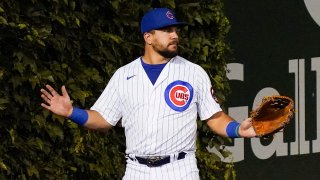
(56, 103)
(246, 130)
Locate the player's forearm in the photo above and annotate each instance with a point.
(96, 121)
(219, 122)
(89, 119)
(224, 125)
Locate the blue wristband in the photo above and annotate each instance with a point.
(233, 129)
(79, 116)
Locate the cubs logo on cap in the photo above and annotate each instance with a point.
(169, 15)
(178, 95)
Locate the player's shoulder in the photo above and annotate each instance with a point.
(127, 70)
(130, 66)
(182, 61)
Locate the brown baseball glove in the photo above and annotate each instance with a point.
(272, 115)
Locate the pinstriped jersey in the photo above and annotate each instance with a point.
(158, 119)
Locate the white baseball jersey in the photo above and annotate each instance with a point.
(158, 119)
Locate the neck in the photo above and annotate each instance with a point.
(154, 59)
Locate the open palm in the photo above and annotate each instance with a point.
(56, 103)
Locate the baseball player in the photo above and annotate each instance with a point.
(158, 96)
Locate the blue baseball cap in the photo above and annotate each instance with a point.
(158, 18)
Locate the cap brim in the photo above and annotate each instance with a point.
(166, 25)
(172, 24)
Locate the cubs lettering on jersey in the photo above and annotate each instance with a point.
(178, 95)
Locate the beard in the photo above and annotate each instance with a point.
(165, 52)
(168, 54)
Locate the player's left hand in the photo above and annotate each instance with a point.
(56, 103)
(246, 130)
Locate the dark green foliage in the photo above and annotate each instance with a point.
(80, 44)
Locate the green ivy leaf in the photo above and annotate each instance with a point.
(22, 26)
(3, 166)
(3, 20)
(55, 132)
(61, 20)
(32, 171)
(3, 103)
(78, 22)
(108, 37)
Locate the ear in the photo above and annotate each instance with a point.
(147, 38)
